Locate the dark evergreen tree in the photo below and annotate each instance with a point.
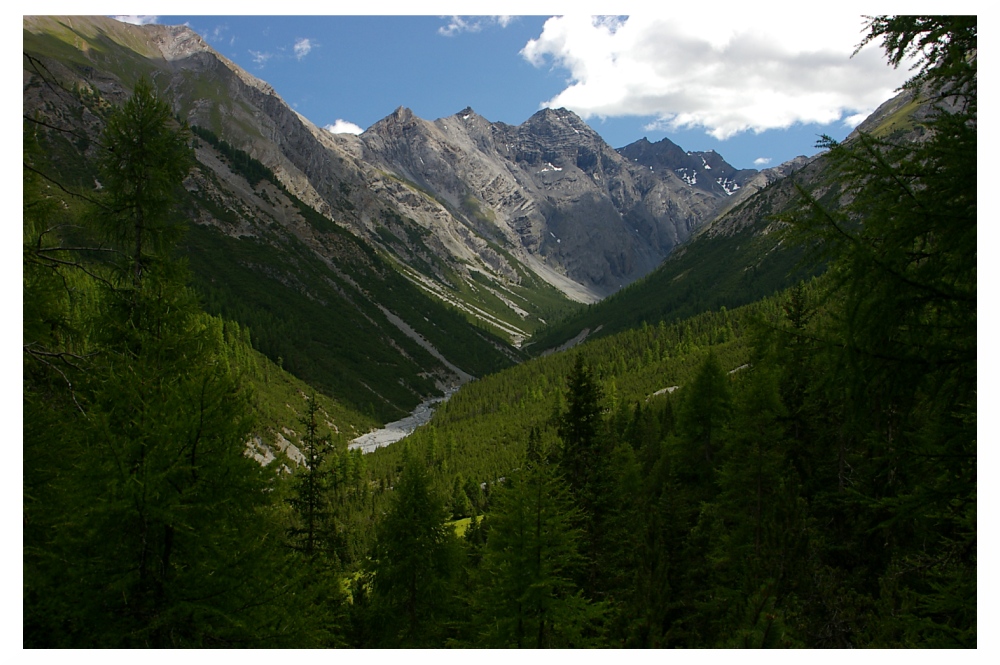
(526, 597)
(314, 531)
(756, 528)
(705, 410)
(584, 459)
(414, 564)
(902, 341)
(460, 505)
(618, 557)
(156, 525)
(145, 156)
(581, 428)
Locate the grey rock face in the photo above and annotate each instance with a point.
(550, 191)
(705, 171)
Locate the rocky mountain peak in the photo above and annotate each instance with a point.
(399, 121)
(401, 115)
(185, 49)
(558, 117)
(468, 121)
(664, 153)
(706, 171)
(402, 112)
(177, 42)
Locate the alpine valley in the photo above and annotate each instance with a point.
(688, 404)
(509, 227)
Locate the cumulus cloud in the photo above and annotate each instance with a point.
(762, 161)
(137, 19)
(302, 47)
(725, 72)
(343, 127)
(459, 24)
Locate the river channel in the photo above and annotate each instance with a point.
(399, 429)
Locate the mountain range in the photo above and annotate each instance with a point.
(383, 267)
(675, 404)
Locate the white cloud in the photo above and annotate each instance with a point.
(137, 19)
(853, 121)
(726, 72)
(343, 127)
(762, 161)
(302, 47)
(459, 24)
(218, 34)
(260, 57)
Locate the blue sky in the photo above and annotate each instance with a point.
(756, 89)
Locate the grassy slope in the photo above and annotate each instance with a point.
(279, 400)
(711, 272)
(323, 321)
(481, 432)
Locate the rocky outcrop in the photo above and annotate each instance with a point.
(704, 171)
(550, 191)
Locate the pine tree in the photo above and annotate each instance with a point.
(414, 564)
(146, 154)
(584, 459)
(459, 505)
(313, 531)
(756, 526)
(317, 577)
(526, 596)
(581, 428)
(705, 410)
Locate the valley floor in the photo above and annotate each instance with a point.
(400, 429)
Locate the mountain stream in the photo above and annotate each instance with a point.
(400, 429)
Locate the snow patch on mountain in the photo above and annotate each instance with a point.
(690, 176)
(729, 185)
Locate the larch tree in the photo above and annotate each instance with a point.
(414, 563)
(526, 597)
(146, 154)
(312, 532)
(902, 342)
(159, 531)
(584, 458)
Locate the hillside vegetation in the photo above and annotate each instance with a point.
(790, 462)
(313, 296)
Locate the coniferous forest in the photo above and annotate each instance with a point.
(799, 471)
